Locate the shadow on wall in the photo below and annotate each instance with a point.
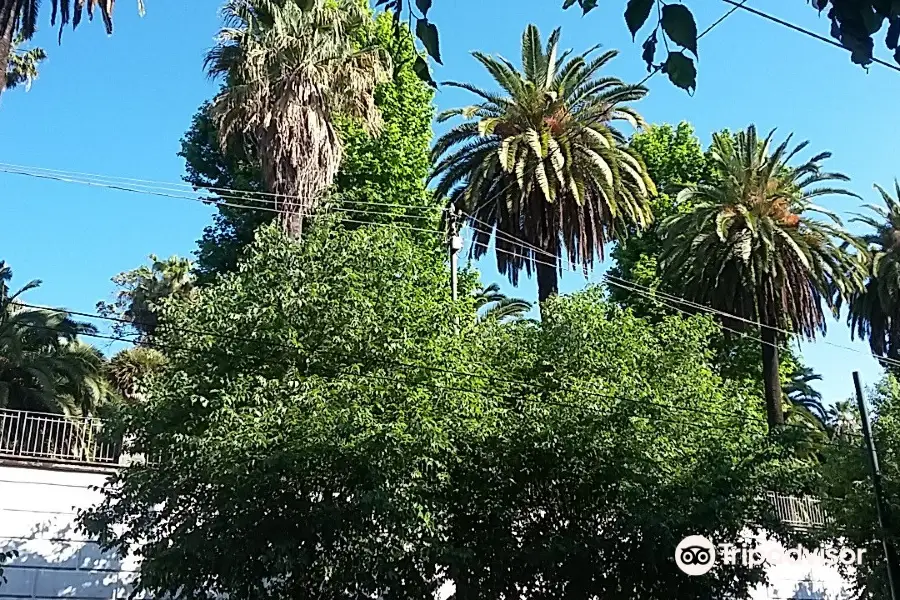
(55, 562)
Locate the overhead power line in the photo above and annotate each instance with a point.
(804, 31)
(259, 197)
(214, 201)
(673, 301)
(657, 295)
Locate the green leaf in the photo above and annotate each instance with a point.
(649, 51)
(679, 25)
(681, 71)
(636, 14)
(424, 6)
(568, 4)
(587, 5)
(420, 67)
(428, 34)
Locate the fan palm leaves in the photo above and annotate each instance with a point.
(874, 312)
(542, 161)
(289, 71)
(43, 366)
(751, 247)
(491, 303)
(129, 369)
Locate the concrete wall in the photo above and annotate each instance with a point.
(37, 518)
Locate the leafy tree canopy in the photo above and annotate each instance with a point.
(331, 436)
(388, 168)
(674, 158)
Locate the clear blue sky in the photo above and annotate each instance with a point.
(119, 105)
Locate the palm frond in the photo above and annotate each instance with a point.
(541, 160)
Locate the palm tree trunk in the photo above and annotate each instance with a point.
(547, 271)
(547, 278)
(292, 222)
(771, 377)
(7, 24)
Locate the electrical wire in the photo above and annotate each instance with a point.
(807, 32)
(658, 294)
(80, 177)
(240, 206)
(612, 280)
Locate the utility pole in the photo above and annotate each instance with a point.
(455, 245)
(890, 555)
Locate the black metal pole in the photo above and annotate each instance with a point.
(890, 555)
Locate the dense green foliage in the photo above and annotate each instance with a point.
(674, 159)
(541, 167)
(330, 436)
(44, 367)
(846, 486)
(388, 168)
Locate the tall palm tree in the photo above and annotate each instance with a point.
(18, 21)
(542, 161)
(491, 303)
(43, 366)
(875, 311)
(751, 248)
(289, 71)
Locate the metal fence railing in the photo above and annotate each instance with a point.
(57, 438)
(803, 513)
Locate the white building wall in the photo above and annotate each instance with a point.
(37, 518)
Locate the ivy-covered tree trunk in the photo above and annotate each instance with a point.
(771, 376)
(7, 26)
